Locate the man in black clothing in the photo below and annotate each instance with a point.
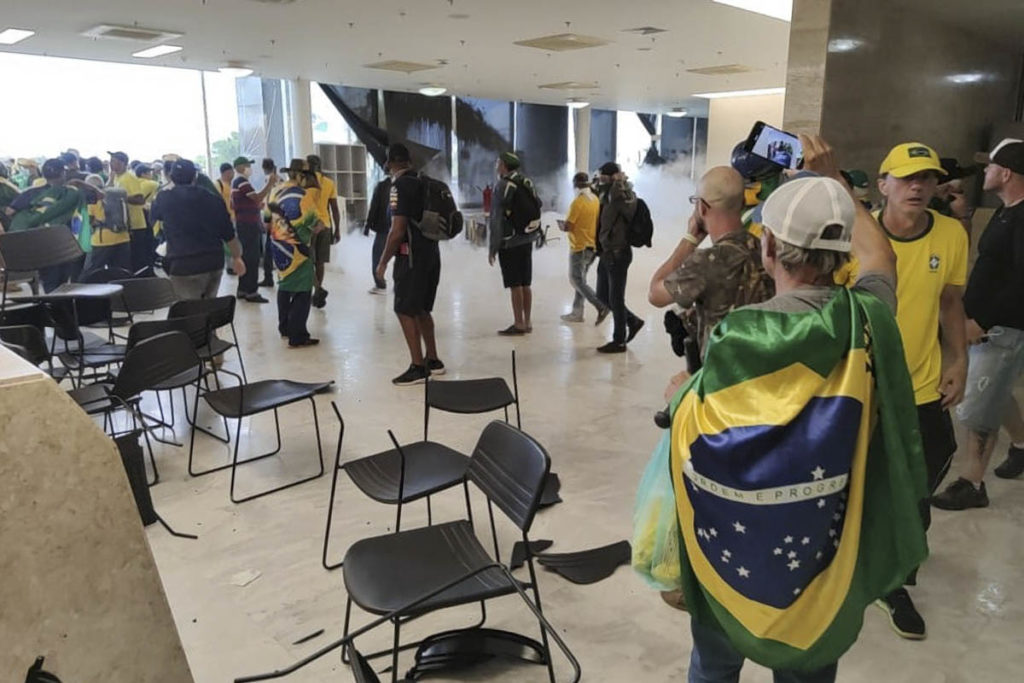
(995, 329)
(618, 206)
(417, 268)
(196, 225)
(514, 228)
(377, 223)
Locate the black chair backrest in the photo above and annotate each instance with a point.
(143, 294)
(510, 467)
(221, 310)
(131, 456)
(28, 250)
(361, 669)
(104, 276)
(194, 326)
(67, 317)
(153, 361)
(30, 339)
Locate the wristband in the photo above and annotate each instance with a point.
(692, 239)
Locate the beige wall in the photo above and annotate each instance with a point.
(730, 119)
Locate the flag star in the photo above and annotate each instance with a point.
(788, 539)
(793, 565)
(713, 531)
(832, 532)
(739, 528)
(821, 502)
(796, 591)
(836, 516)
(700, 533)
(791, 554)
(726, 553)
(817, 556)
(818, 473)
(725, 559)
(805, 540)
(744, 572)
(835, 544)
(777, 551)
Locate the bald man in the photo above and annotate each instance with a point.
(708, 283)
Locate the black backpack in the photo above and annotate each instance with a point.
(526, 206)
(641, 228)
(441, 219)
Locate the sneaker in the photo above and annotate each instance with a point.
(511, 331)
(601, 316)
(961, 495)
(1013, 466)
(632, 328)
(612, 347)
(572, 318)
(435, 366)
(319, 298)
(267, 282)
(903, 616)
(378, 290)
(416, 374)
(312, 341)
(256, 298)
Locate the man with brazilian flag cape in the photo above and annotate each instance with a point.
(795, 455)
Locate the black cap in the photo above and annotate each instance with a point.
(53, 168)
(1009, 153)
(183, 172)
(609, 168)
(398, 153)
(69, 158)
(143, 169)
(94, 165)
(226, 166)
(954, 170)
(120, 156)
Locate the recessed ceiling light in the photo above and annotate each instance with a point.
(157, 51)
(740, 93)
(10, 36)
(844, 44)
(433, 90)
(777, 9)
(577, 104)
(676, 113)
(974, 77)
(235, 71)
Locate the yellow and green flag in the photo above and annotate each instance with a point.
(797, 467)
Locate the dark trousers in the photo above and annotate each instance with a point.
(250, 236)
(53, 277)
(714, 660)
(612, 270)
(380, 239)
(292, 313)
(268, 257)
(142, 249)
(114, 256)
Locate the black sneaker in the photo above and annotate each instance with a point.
(435, 366)
(601, 316)
(319, 298)
(961, 495)
(632, 328)
(903, 616)
(416, 374)
(1013, 466)
(312, 341)
(612, 347)
(256, 298)
(267, 282)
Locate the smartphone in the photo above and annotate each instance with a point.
(775, 145)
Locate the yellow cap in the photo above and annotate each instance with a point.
(910, 158)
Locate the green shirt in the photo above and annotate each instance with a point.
(46, 205)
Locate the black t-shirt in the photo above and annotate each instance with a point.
(196, 224)
(406, 200)
(994, 291)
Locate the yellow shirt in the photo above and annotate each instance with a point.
(326, 192)
(925, 265)
(225, 194)
(583, 216)
(133, 186)
(101, 237)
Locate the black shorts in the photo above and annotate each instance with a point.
(938, 440)
(320, 246)
(416, 288)
(517, 265)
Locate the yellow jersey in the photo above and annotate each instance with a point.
(323, 196)
(133, 186)
(583, 215)
(225, 194)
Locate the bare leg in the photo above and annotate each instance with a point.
(425, 323)
(318, 276)
(412, 338)
(979, 452)
(517, 307)
(1013, 422)
(527, 307)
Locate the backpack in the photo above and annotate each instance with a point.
(641, 228)
(441, 219)
(115, 209)
(526, 206)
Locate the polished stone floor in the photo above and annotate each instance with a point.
(593, 414)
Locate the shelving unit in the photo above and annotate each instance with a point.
(346, 166)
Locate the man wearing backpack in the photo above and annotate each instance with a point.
(514, 227)
(618, 209)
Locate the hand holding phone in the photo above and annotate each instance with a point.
(777, 146)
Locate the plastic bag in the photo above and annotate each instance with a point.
(656, 523)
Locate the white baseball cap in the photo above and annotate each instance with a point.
(802, 212)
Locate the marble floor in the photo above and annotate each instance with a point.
(594, 415)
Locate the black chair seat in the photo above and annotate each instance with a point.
(387, 572)
(182, 379)
(429, 468)
(216, 347)
(95, 399)
(261, 396)
(96, 356)
(470, 396)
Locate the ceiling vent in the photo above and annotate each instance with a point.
(722, 70)
(570, 85)
(644, 30)
(563, 42)
(134, 34)
(401, 66)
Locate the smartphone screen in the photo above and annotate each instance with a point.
(775, 145)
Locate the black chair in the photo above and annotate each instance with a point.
(27, 251)
(30, 342)
(386, 573)
(221, 311)
(146, 365)
(471, 396)
(246, 400)
(397, 476)
(105, 276)
(79, 350)
(144, 294)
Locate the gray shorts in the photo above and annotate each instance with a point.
(198, 286)
(994, 368)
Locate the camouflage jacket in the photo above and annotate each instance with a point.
(716, 280)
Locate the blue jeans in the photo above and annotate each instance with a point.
(579, 263)
(715, 660)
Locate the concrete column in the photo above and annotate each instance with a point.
(301, 118)
(581, 121)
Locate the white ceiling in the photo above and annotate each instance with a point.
(331, 40)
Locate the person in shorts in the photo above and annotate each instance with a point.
(512, 240)
(417, 269)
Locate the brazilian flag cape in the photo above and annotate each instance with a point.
(798, 469)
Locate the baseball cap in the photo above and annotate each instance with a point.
(609, 168)
(1009, 153)
(53, 168)
(510, 160)
(142, 169)
(183, 172)
(398, 153)
(801, 211)
(120, 156)
(226, 167)
(242, 161)
(954, 171)
(910, 158)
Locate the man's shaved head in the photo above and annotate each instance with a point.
(722, 188)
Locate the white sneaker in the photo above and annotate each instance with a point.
(377, 290)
